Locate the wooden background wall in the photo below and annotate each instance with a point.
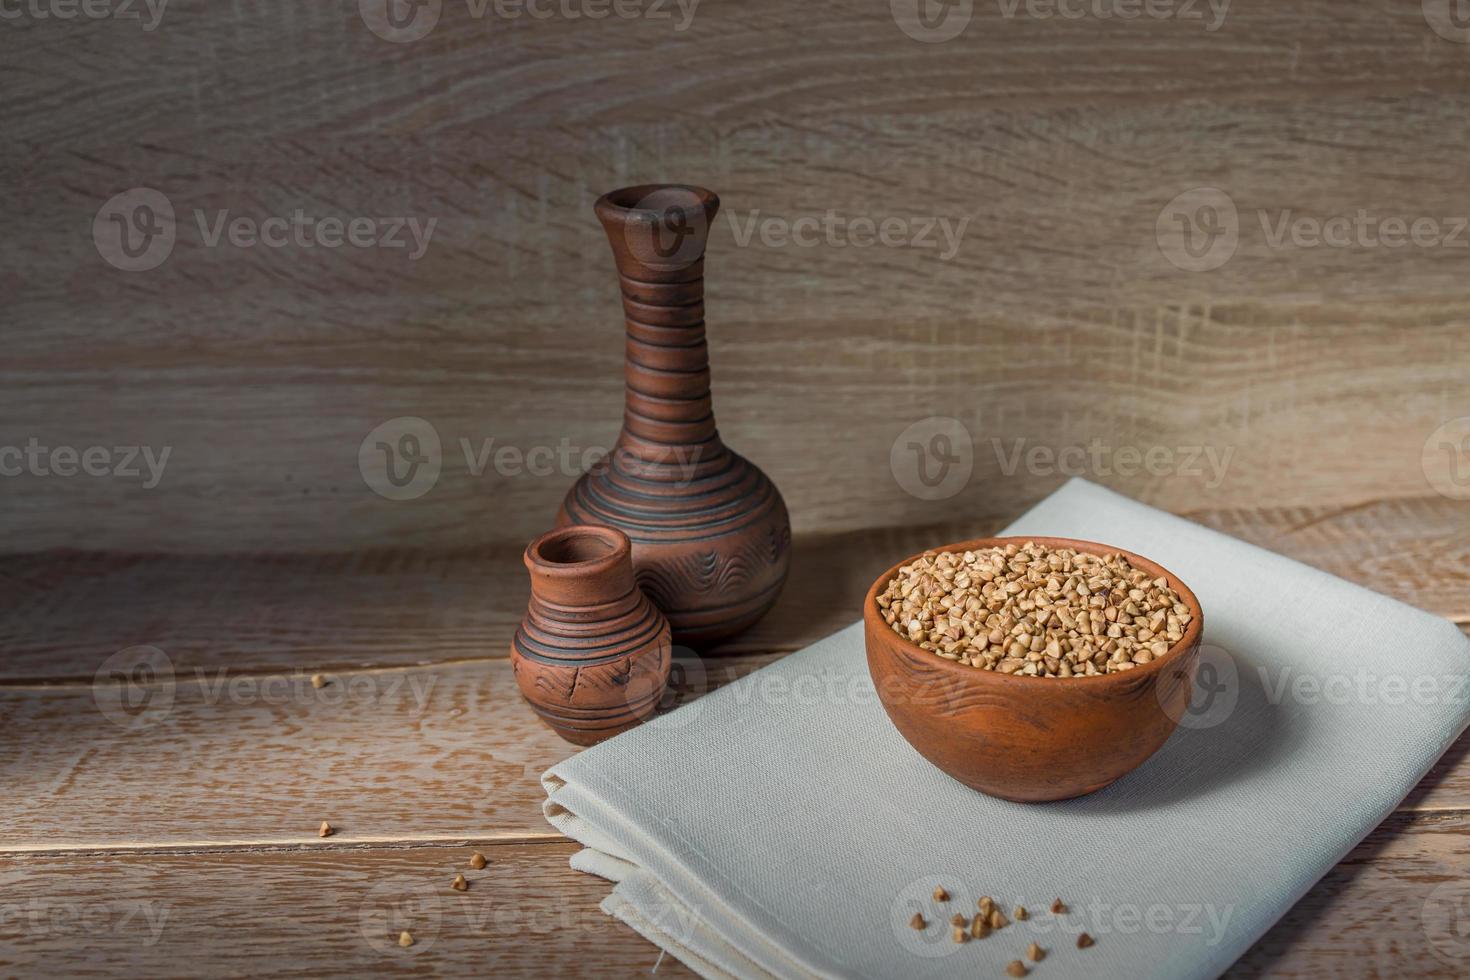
(1323, 370)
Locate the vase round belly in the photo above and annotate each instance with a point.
(592, 655)
(709, 531)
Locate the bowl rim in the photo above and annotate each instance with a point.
(872, 615)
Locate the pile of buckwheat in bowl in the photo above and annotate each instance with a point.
(1034, 611)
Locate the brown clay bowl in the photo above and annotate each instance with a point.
(1031, 739)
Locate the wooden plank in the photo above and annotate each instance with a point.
(403, 755)
(1446, 787)
(423, 754)
(312, 912)
(266, 758)
(1248, 406)
(1394, 907)
(1416, 550)
(242, 636)
(1385, 911)
(318, 70)
(1057, 321)
(65, 613)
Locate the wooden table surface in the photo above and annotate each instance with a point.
(181, 833)
(183, 840)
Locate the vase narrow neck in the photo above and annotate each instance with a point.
(658, 235)
(581, 567)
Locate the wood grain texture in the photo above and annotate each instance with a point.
(409, 755)
(1382, 912)
(214, 758)
(760, 60)
(1057, 320)
(1394, 907)
(65, 613)
(1293, 414)
(312, 913)
(436, 754)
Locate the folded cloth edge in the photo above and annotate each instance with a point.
(772, 958)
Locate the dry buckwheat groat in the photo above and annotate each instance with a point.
(1035, 611)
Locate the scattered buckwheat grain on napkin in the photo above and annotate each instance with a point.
(780, 826)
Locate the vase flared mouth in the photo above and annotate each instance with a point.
(657, 200)
(578, 550)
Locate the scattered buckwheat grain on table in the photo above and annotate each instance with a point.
(1034, 610)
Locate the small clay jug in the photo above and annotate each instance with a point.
(592, 655)
(711, 536)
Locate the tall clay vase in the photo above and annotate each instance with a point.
(592, 655)
(711, 537)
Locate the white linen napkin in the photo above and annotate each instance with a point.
(782, 827)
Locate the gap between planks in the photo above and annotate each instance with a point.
(286, 845)
(1430, 815)
(63, 683)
